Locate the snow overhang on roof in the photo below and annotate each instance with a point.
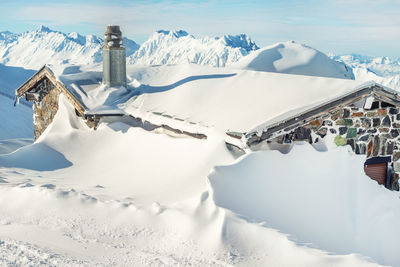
(231, 100)
(196, 98)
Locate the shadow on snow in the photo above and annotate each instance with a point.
(38, 157)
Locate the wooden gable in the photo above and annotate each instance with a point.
(31, 89)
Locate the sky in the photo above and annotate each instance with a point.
(368, 27)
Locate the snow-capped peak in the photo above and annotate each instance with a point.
(382, 66)
(33, 49)
(241, 40)
(43, 28)
(177, 34)
(176, 47)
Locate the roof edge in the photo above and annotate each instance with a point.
(47, 72)
(297, 119)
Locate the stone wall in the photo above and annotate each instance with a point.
(374, 132)
(45, 108)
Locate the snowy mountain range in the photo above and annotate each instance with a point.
(176, 47)
(382, 66)
(383, 70)
(122, 195)
(33, 49)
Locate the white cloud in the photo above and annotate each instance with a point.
(324, 23)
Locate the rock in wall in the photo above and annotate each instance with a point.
(45, 108)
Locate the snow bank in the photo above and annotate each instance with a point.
(48, 224)
(294, 58)
(124, 160)
(125, 195)
(15, 122)
(8, 146)
(319, 198)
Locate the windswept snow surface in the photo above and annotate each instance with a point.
(294, 58)
(319, 198)
(198, 98)
(190, 96)
(226, 98)
(124, 196)
(15, 121)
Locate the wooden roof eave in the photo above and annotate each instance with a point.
(46, 72)
(380, 92)
(30, 83)
(387, 95)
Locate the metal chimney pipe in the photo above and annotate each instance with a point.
(114, 58)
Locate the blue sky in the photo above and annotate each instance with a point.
(338, 26)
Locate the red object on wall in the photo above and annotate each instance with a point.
(376, 172)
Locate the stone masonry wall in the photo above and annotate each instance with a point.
(371, 132)
(44, 110)
(374, 132)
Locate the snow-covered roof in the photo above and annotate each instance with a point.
(225, 99)
(230, 99)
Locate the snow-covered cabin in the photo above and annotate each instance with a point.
(252, 109)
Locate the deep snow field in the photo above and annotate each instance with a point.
(124, 196)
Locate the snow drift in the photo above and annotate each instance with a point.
(294, 58)
(15, 121)
(319, 198)
(124, 195)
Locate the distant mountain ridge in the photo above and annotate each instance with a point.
(382, 66)
(177, 47)
(384, 70)
(33, 49)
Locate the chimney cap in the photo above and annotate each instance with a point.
(113, 29)
(113, 36)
